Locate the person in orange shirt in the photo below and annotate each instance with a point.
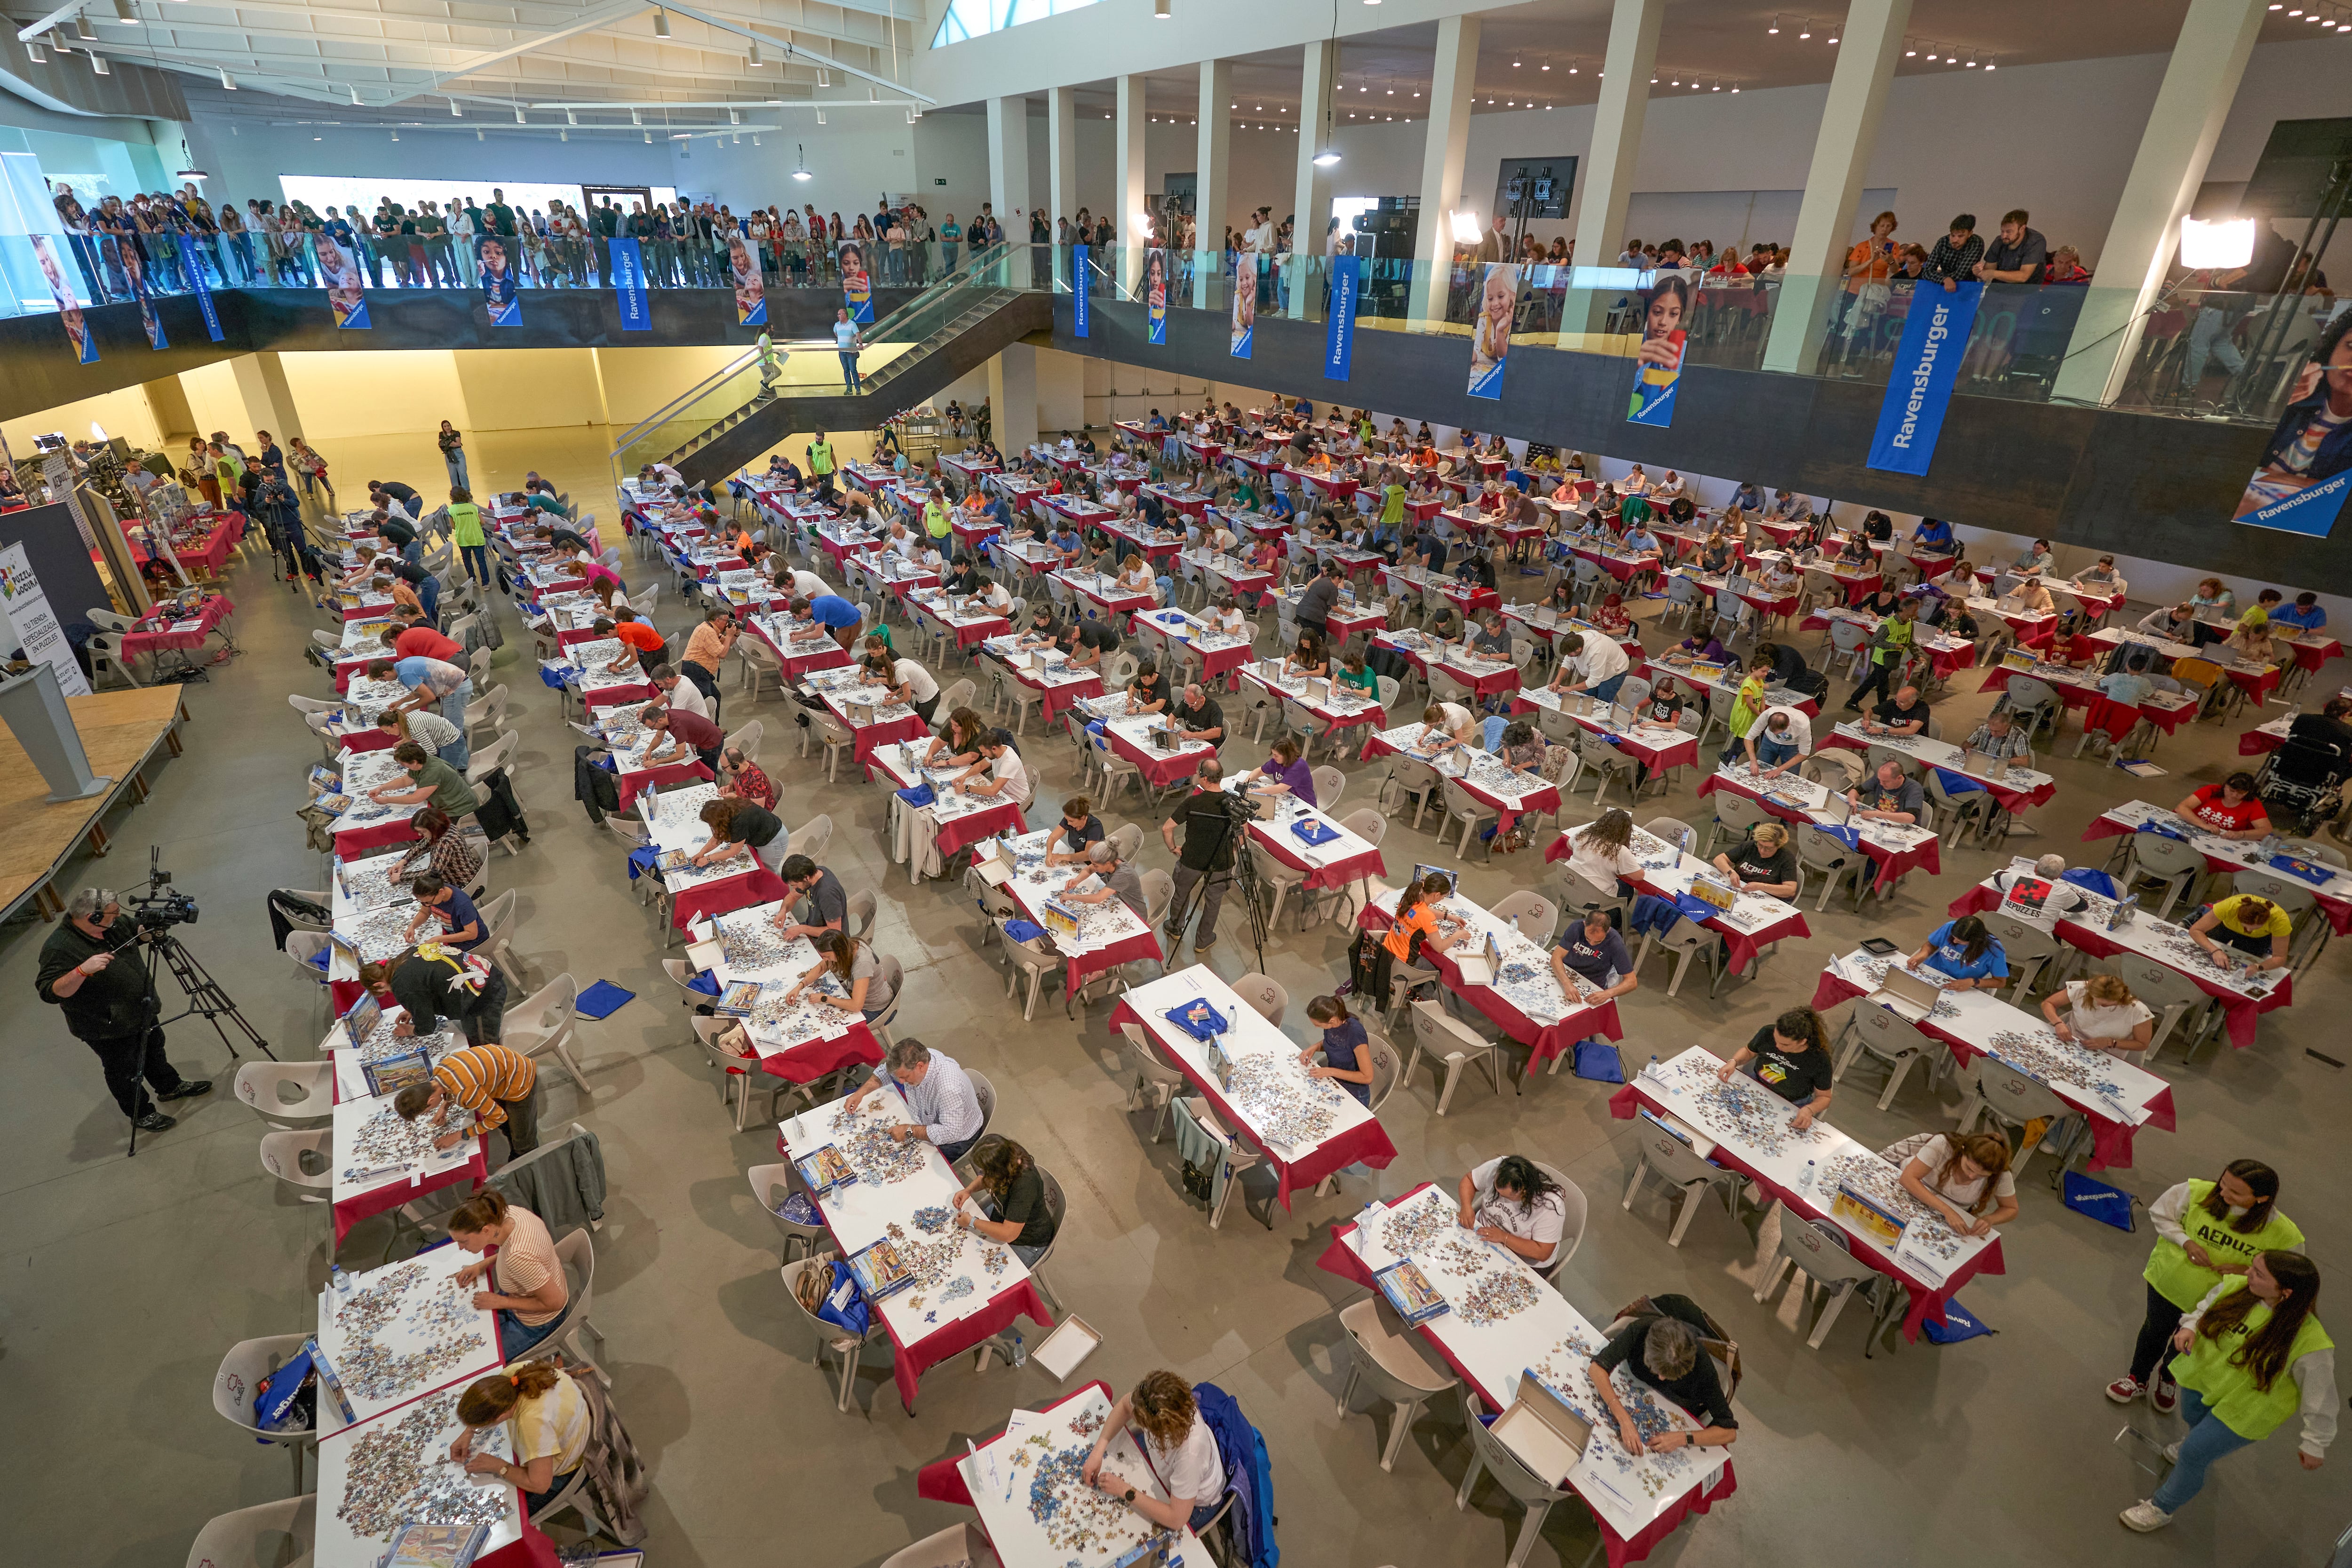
(1868, 266)
(636, 633)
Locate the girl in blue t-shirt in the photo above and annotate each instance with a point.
(1965, 952)
(1345, 1060)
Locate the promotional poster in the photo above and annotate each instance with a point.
(1658, 362)
(346, 290)
(1927, 367)
(2307, 470)
(501, 288)
(149, 323)
(1490, 338)
(85, 347)
(750, 288)
(1155, 294)
(204, 291)
(1081, 301)
(629, 284)
(1340, 327)
(1244, 305)
(857, 283)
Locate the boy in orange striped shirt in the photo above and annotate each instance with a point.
(498, 1085)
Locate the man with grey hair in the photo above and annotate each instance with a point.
(2063, 898)
(1663, 1347)
(111, 1004)
(939, 1095)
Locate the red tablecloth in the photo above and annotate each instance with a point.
(1160, 769)
(1745, 946)
(1505, 679)
(1337, 874)
(1544, 1041)
(1673, 754)
(2254, 743)
(157, 637)
(2111, 1140)
(833, 655)
(976, 825)
(756, 886)
(1367, 1144)
(212, 555)
(370, 739)
(352, 843)
(1892, 863)
(888, 732)
(2309, 658)
(811, 1061)
(614, 696)
(942, 1481)
(633, 784)
(1341, 1259)
(2338, 909)
(392, 1194)
(2256, 684)
(2100, 711)
(1926, 1303)
(1507, 813)
(532, 1549)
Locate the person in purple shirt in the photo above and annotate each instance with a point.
(1287, 773)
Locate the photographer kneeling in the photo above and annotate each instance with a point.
(111, 1004)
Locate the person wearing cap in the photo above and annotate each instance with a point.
(1104, 875)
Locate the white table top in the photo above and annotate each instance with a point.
(1185, 628)
(900, 1187)
(1290, 810)
(350, 1071)
(1524, 978)
(2165, 942)
(395, 1469)
(1545, 1336)
(403, 1331)
(902, 761)
(1944, 756)
(1036, 1461)
(1326, 699)
(1669, 871)
(1136, 729)
(751, 948)
(1099, 925)
(1803, 794)
(1279, 1106)
(372, 1148)
(2244, 852)
(841, 686)
(1484, 771)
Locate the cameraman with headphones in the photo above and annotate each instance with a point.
(111, 1004)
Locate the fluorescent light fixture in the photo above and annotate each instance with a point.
(571, 117)
(753, 58)
(1775, 26)
(33, 53)
(456, 112)
(823, 77)
(1327, 158)
(519, 119)
(560, 135)
(661, 23)
(649, 137)
(636, 117)
(734, 116)
(820, 119)
(2225, 242)
(1466, 227)
(97, 64)
(82, 30)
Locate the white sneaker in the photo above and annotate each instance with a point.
(2172, 1452)
(2144, 1517)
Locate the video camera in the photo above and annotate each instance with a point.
(160, 907)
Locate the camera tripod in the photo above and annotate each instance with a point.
(1244, 878)
(206, 998)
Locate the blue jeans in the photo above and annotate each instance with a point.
(1607, 690)
(477, 558)
(2208, 1440)
(1772, 753)
(515, 1336)
(849, 368)
(455, 458)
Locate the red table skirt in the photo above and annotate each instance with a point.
(633, 784)
(1365, 1144)
(352, 843)
(2337, 910)
(392, 1194)
(614, 696)
(2256, 685)
(370, 739)
(976, 825)
(216, 609)
(887, 733)
(1160, 770)
(1079, 966)
(1892, 863)
(1340, 1258)
(2309, 659)
(1057, 700)
(532, 1549)
(2011, 800)
(758, 886)
(1924, 1303)
(1508, 816)
(1543, 1041)
(2111, 1140)
(811, 1061)
(832, 657)
(1680, 753)
(1745, 946)
(1339, 874)
(2254, 743)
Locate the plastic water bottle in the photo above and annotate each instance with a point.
(1805, 1182)
(342, 1281)
(1020, 1350)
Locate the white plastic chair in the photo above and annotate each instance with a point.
(1395, 1363)
(236, 1382)
(1822, 1257)
(1452, 1043)
(282, 1154)
(264, 1086)
(1682, 1168)
(262, 1536)
(549, 1020)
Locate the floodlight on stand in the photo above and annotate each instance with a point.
(97, 64)
(2225, 242)
(1466, 227)
(661, 23)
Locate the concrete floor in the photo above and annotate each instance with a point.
(125, 1280)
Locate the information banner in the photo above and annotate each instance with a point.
(78, 333)
(1927, 367)
(750, 288)
(1081, 297)
(501, 292)
(629, 284)
(1244, 303)
(37, 632)
(204, 290)
(2306, 472)
(1155, 294)
(1339, 330)
(346, 290)
(857, 283)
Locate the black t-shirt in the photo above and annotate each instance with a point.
(564, 538)
(1595, 961)
(1663, 709)
(1025, 1201)
(393, 566)
(1207, 716)
(1754, 866)
(1888, 713)
(403, 493)
(830, 899)
(755, 825)
(1786, 663)
(396, 533)
(1795, 1078)
(1433, 550)
(1697, 1390)
(1153, 687)
(1210, 831)
(1099, 635)
(1065, 841)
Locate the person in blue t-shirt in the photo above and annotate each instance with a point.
(1068, 541)
(1966, 954)
(1934, 532)
(2304, 615)
(836, 615)
(1345, 1060)
(1279, 505)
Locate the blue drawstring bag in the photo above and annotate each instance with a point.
(1958, 1324)
(801, 1209)
(2092, 881)
(706, 983)
(920, 796)
(1314, 832)
(1596, 1060)
(608, 764)
(642, 861)
(2108, 1205)
(552, 676)
(2302, 870)
(2162, 829)
(1023, 931)
(1697, 911)
(1849, 836)
(1207, 1029)
(1958, 784)
(274, 1401)
(845, 1305)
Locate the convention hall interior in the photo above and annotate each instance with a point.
(959, 897)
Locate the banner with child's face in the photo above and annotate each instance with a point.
(2306, 472)
(502, 290)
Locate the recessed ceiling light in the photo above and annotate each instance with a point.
(1775, 26)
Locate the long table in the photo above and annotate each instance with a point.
(2228, 856)
(1752, 924)
(1660, 747)
(1130, 735)
(1526, 1001)
(954, 820)
(674, 826)
(801, 1043)
(1339, 707)
(1486, 777)
(1109, 934)
(1894, 849)
(1168, 630)
(2015, 791)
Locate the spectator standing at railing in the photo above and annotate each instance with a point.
(1956, 255)
(2016, 255)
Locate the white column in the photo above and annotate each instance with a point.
(2208, 62)
(1062, 165)
(1451, 83)
(268, 400)
(1012, 396)
(1617, 134)
(1008, 179)
(1867, 49)
(1128, 178)
(1211, 178)
(1310, 204)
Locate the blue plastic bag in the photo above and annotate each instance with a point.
(845, 1305)
(642, 860)
(2092, 881)
(2108, 1205)
(1023, 931)
(1958, 1324)
(920, 796)
(1199, 1029)
(1596, 1060)
(1314, 832)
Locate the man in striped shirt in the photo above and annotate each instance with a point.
(496, 1085)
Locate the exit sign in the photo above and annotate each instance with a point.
(939, 182)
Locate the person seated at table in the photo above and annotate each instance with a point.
(1593, 951)
(1791, 1056)
(1148, 692)
(1265, 556)
(429, 780)
(2100, 576)
(2304, 615)
(448, 855)
(551, 1422)
(1662, 1349)
(1716, 555)
(2331, 726)
(2035, 560)
(2252, 643)
(1073, 838)
(527, 1290)
(1748, 497)
(902, 542)
(1135, 577)
(1965, 953)
(1594, 666)
(1636, 482)
(1856, 551)
(1070, 541)
(2230, 809)
(959, 745)
(456, 923)
(2252, 926)
(2101, 1014)
(963, 573)
(1278, 506)
(905, 679)
(1178, 1446)
(939, 1095)
(2174, 623)
(999, 772)
(1877, 527)
(1106, 875)
(1218, 539)
(2063, 896)
(1640, 539)
(1197, 716)
(1284, 773)
(1933, 535)
(1444, 726)
(1901, 715)
(2214, 600)
(1888, 794)
(2033, 598)
(1520, 746)
(1881, 601)
(1701, 647)
(1765, 862)
(1788, 506)
(1041, 629)
(740, 775)
(2001, 738)
(816, 890)
(1308, 658)
(1493, 637)
(1960, 1175)
(1004, 1202)
(858, 984)
(1509, 1202)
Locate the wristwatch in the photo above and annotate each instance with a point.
(1129, 1498)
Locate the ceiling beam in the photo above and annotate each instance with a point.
(591, 20)
(62, 13)
(725, 26)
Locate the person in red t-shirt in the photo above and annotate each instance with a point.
(639, 635)
(678, 732)
(424, 640)
(2231, 808)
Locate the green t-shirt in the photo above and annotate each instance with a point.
(452, 795)
(431, 224)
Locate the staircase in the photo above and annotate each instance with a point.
(731, 421)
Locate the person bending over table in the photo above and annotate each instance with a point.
(835, 615)
(1781, 737)
(1511, 1201)
(1596, 952)
(1664, 1350)
(430, 780)
(1005, 1201)
(1967, 956)
(1445, 726)
(1076, 833)
(1089, 643)
(815, 888)
(1006, 776)
(905, 679)
(940, 1096)
(1104, 875)
(678, 734)
(1595, 666)
(1179, 1445)
(2229, 809)
(1342, 1044)
(857, 970)
(741, 828)
(2063, 896)
(1959, 1175)
(551, 1429)
(1764, 863)
(1286, 772)
(1791, 1056)
(1900, 716)
(959, 745)
(2033, 598)
(495, 1086)
(1888, 794)
(1309, 659)
(1042, 630)
(1198, 717)
(458, 923)
(2100, 1015)
(1700, 648)
(528, 1291)
(429, 729)
(2251, 926)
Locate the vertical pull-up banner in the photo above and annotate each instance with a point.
(1339, 331)
(1155, 294)
(1926, 366)
(629, 284)
(1081, 298)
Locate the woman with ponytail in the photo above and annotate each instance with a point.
(548, 1422)
(2252, 1356)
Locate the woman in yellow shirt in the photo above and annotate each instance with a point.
(548, 1424)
